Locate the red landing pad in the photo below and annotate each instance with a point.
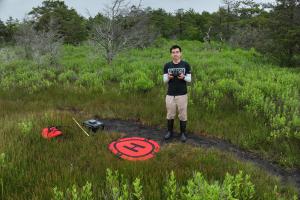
(134, 148)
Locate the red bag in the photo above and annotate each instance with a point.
(51, 132)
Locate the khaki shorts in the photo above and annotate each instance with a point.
(180, 102)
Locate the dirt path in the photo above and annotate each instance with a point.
(133, 128)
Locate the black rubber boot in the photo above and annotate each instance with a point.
(170, 129)
(182, 131)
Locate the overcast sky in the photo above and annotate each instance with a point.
(19, 8)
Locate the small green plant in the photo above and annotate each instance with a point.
(117, 187)
(112, 184)
(233, 188)
(198, 188)
(138, 189)
(25, 126)
(85, 193)
(58, 195)
(170, 189)
(238, 187)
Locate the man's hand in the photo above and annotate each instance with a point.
(170, 76)
(181, 76)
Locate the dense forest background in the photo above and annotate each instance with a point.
(272, 29)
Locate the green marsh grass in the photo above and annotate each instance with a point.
(230, 98)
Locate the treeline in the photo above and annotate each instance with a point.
(272, 29)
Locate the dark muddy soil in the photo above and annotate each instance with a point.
(135, 128)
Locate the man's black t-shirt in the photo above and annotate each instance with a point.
(177, 86)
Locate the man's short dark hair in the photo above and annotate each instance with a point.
(175, 47)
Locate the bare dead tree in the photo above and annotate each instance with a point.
(124, 27)
(221, 40)
(39, 45)
(207, 37)
(221, 37)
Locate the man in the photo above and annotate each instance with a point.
(176, 74)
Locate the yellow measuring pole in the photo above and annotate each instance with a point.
(80, 126)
